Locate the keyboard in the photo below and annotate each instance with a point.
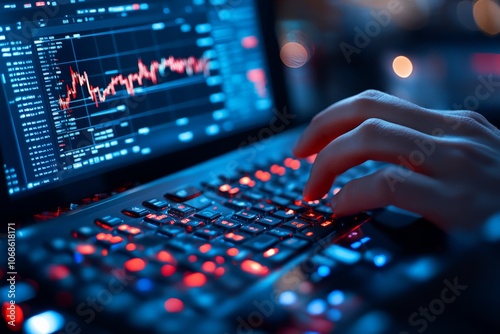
(158, 259)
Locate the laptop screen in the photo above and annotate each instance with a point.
(89, 86)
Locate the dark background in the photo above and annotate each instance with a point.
(453, 46)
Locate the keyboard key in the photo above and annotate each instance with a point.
(208, 233)
(129, 230)
(253, 229)
(180, 245)
(296, 225)
(311, 216)
(236, 237)
(170, 231)
(264, 208)
(280, 201)
(156, 204)
(296, 208)
(159, 220)
(181, 210)
(108, 240)
(227, 190)
(314, 233)
(108, 222)
(184, 194)
(190, 224)
(269, 222)
(135, 212)
(84, 232)
(285, 215)
(292, 195)
(246, 216)
(261, 242)
(324, 210)
(208, 216)
(199, 203)
(281, 233)
(312, 204)
(278, 255)
(254, 268)
(227, 224)
(237, 204)
(252, 196)
(294, 243)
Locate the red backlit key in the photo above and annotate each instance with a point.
(135, 212)
(227, 224)
(254, 268)
(236, 237)
(311, 216)
(108, 222)
(190, 224)
(129, 230)
(108, 240)
(159, 219)
(296, 225)
(181, 210)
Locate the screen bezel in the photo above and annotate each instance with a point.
(25, 207)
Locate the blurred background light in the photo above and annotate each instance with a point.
(294, 55)
(402, 66)
(487, 16)
(44, 323)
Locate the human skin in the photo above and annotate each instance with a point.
(445, 164)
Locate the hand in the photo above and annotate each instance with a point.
(445, 164)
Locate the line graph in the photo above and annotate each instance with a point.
(189, 66)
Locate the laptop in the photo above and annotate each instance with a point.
(174, 115)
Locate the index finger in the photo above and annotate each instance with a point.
(347, 114)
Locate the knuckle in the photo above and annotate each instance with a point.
(367, 99)
(471, 118)
(371, 127)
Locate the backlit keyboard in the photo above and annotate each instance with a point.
(182, 251)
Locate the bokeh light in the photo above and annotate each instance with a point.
(402, 66)
(294, 55)
(487, 16)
